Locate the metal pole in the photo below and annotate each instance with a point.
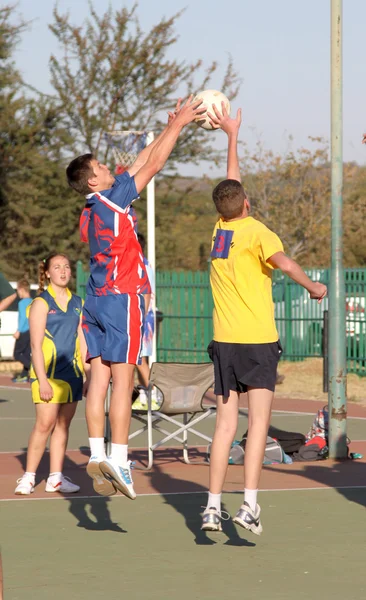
(337, 316)
(325, 351)
(150, 193)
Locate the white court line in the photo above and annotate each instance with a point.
(163, 494)
(284, 413)
(10, 387)
(33, 419)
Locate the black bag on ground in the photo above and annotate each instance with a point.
(290, 441)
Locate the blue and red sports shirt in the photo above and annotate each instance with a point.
(108, 223)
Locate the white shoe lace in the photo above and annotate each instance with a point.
(222, 514)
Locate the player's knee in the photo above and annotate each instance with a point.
(45, 426)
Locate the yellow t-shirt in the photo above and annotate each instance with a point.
(241, 281)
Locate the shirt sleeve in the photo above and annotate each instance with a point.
(5, 288)
(269, 243)
(123, 192)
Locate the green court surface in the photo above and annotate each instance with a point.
(313, 543)
(92, 548)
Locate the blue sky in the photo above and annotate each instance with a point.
(281, 49)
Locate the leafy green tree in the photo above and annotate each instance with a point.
(38, 212)
(291, 194)
(112, 75)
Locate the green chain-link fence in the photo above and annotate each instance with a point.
(185, 300)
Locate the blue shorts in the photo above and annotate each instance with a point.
(112, 327)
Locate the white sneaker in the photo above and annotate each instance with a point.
(211, 519)
(249, 519)
(142, 397)
(64, 486)
(120, 476)
(25, 486)
(156, 399)
(101, 485)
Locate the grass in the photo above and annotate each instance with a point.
(304, 380)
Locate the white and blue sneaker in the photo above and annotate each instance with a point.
(211, 519)
(120, 476)
(101, 484)
(249, 519)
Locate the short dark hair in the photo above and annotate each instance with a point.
(229, 196)
(78, 172)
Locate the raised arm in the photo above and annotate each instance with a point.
(231, 128)
(161, 151)
(37, 326)
(5, 303)
(279, 260)
(145, 153)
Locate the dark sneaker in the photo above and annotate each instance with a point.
(20, 379)
(211, 519)
(249, 519)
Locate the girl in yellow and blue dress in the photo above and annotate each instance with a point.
(57, 372)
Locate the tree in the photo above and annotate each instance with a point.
(114, 76)
(38, 212)
(291, 195)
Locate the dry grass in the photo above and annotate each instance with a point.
(304, 380)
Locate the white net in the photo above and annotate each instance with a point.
(126, 146)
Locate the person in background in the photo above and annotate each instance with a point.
(148, 333)
(58, 359)
(22, 349)
(7, 293)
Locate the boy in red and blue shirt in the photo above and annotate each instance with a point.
(114, 308)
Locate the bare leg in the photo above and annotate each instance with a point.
(46, 416)
(226, 426)
(143, 371)
(60, 436)
(260, 406)
(94, 408)
(120, 410)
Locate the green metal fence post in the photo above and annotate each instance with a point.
(337, 315)
(288, 320)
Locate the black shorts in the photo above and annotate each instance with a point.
(238, 366)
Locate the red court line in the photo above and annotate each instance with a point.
(171, 475)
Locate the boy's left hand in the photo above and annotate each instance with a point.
(318, 292)
(16, 335)
(223, 121)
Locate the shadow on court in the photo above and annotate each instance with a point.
(340, 475)
(90, 513)
(191, 506)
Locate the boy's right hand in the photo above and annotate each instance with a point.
(188, 112)
(318, 291)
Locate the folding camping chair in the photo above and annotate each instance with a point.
(183, 387)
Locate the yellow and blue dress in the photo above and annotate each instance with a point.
(61, 350)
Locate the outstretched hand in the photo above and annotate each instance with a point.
(188, 112)
(223, 121)
(172, 115)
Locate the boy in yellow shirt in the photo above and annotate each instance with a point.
(245, 349)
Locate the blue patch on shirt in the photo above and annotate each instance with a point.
(222, 243)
